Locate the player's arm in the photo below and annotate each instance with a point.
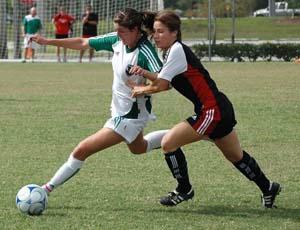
(71, 43)
(156, 86)
(23, 31)
(24, 27)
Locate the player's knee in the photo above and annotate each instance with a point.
(167, 145)
(81, 151)
(137, 151)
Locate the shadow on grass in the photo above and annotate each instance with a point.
(16, 100)
(225, 211)
(62, 211)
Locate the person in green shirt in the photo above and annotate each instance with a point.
(31, 26)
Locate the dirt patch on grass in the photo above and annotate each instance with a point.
(288, 21)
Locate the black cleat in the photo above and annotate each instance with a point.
(268, 198)
(174, 198)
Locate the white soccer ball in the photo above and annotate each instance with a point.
(32, 199)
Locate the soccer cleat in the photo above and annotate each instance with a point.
(175, 197)
(268, 198)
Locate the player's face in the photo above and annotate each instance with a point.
(163, 37)
(33, 12)
(128, 37)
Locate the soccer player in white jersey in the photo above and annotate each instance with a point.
(129, 116)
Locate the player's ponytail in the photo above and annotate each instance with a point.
(148, 21)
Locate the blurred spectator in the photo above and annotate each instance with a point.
(63, 26)
(89, 29)
(31, 26)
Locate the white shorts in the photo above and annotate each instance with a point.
(129, 129)
(28, 44)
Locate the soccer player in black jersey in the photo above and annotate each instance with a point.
(214, 117)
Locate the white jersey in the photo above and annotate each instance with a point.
(144, 55)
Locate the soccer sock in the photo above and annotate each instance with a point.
(154, 139)
(249, 167)
(64, 173)
(178, 166)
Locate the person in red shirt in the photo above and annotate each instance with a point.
(63, 25)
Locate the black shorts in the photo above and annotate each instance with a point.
(61, 36)
(215, 122)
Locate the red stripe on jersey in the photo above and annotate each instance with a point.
(200, 86)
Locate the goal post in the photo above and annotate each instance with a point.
(12, 13)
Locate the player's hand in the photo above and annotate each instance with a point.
(137, 91)
(39, 39)
(137, 70)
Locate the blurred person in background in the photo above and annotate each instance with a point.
(31, 26)
(89, 29)
(63, 25)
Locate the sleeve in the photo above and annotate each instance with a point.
(55, 17)
(103, 42)
(148, 58)
(175, 64)
(71, 18)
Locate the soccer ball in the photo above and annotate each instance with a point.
(32, 199)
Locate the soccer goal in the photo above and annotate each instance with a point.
(12, 13)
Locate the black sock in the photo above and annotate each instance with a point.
(249, 167)
(178, 166)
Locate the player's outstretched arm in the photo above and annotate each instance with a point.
(156, 86)
(71, 43)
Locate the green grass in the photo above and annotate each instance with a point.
(46, 109)
(264, 28)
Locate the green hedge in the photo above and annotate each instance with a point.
(243, 52)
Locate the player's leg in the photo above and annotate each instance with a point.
(143, 144)
(81, 52)
(180, 135)
(58, 54)
(32, 54)
(65, 55)
(25, 54)
(91, 54)
(247, 165)
(102, 139)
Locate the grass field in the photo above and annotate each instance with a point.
(46, 109)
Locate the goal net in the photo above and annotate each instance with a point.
(12, 13)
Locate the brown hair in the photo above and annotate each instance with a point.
(131, 18)
(170, 20)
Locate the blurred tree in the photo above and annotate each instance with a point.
(181, 4)
(222, 8)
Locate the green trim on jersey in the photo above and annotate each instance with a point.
(148, 58)
(104, 42)
(31, 24)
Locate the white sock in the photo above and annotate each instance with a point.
(64, 173)
(154, 139)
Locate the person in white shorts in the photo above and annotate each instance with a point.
(129, 116)
(31, 26)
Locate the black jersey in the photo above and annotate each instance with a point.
(90, 29)
(189, 77)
